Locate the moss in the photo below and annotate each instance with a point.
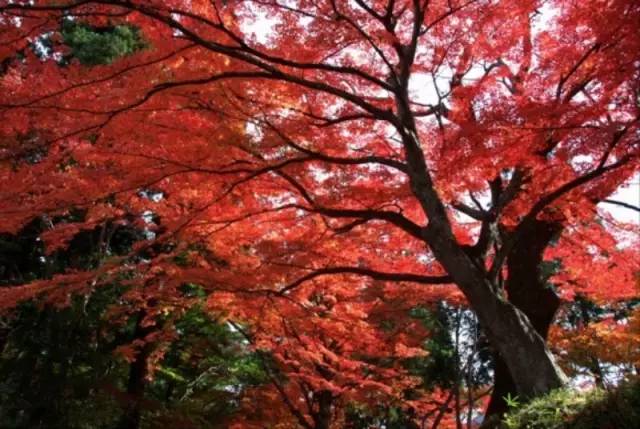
(567, 409)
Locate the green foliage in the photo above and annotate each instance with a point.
(512, 401)
(567, 409)
(53, 365)
(101, 45)
(443, 364)
(204, 373)
(547, 269)
(58, 369)
(438, 367)
(57, 364)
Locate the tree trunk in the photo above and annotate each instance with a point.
(525, 353)
(322, 418)
(136, 381)
(509, 330)
(529, 292)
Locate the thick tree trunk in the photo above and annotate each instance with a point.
(509, 330)
(527, 290)
(518, 344)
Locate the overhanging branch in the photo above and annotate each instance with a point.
(394, 218)
(366, 272)
(622, 204)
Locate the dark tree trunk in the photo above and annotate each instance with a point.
(322, 418)
(524, 351)
(508, 329)
(136, 381)
(529, 292)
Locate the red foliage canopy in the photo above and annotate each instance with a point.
(319, 163)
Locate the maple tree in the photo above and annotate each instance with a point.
(356, 159)
(602, 341)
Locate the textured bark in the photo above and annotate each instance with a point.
(523, 350)
(530, 294)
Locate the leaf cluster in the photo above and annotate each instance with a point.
(93, 46)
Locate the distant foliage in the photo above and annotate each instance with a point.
(61, 366)
(58, 370)
(94, 46)
(54, 367)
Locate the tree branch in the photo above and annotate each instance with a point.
(541, 205)
(622, 204)
(366, 272)
(393, 218)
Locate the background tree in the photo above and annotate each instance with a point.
(62, 365)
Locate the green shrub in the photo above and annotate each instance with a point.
(568, 409)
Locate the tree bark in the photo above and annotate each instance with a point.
(523, 350)
(529, 292)
(322, 418)
(136, 381)
(509, 330)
